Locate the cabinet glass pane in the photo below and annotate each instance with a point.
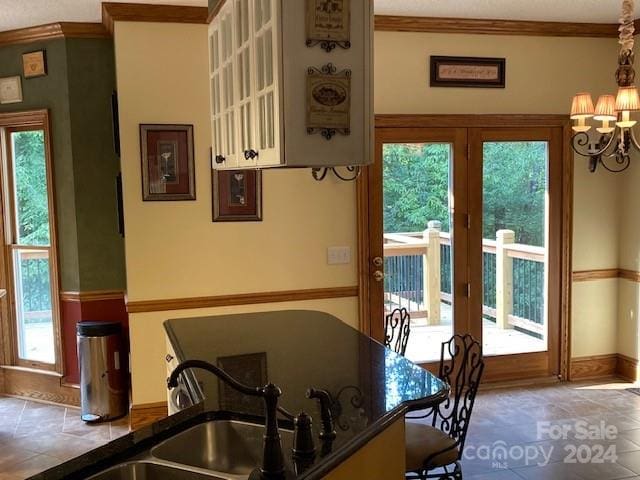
(260, 62)
(246, 64)
(262, 121)
(271, 142)
(215, 55)
(239, 16)
(268, 58)
(258, 14)
(241, 75)
(266, 11)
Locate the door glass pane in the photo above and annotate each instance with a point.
(514, 245)
(33, 305)
(30, 180)
(417, 212)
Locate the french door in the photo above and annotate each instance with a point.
(465, 232)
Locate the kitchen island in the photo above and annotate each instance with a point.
(371, 389)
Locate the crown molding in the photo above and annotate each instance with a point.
(52, 31)
(138, 12)
(390, 23)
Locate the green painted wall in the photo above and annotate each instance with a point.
(51, 92)
(91, 70)
(77, 92)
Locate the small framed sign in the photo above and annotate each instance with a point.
(10, 89)
(328, 101)
(329, 24)
(34, 64)
(237, 195)
(168, 171)
(467, 72)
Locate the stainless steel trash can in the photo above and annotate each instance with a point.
(103, 386)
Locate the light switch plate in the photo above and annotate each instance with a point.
(338, 255)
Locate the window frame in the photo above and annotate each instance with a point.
(9, 123)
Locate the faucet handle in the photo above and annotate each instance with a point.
(324, 397)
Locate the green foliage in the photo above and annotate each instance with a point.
(416, 188)
(31, 187)
(416, 181)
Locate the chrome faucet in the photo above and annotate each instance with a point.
(272, 458)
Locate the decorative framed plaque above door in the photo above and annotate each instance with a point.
(467, 72)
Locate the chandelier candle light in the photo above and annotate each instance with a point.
(612, 147)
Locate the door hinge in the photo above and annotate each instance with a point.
(467, 221)
(467, 290)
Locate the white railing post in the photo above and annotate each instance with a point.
(431, 272)
(504, 278)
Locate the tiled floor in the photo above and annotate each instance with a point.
(35, 436)
(515, 434)
(518, 434)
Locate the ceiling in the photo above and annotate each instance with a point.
(25, 13)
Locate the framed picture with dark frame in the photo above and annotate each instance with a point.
(168, 171)
(237, 195)
(478, 72)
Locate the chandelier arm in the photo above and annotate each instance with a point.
(582, 139)
(634, 140)
(624, 165)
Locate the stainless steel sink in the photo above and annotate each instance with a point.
(224, 446)
(150, 471)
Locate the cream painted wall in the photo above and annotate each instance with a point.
(173, 250)
(543, 73)
(629, 291)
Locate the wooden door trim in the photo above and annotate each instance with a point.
(470, 121)
(402, 121)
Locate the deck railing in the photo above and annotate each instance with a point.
(418, 277)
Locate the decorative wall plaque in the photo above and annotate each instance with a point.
(328, 101)
(467, 72)
(329, 23)
(10, 90)
(34, 64)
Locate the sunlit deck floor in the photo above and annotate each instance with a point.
(425, 341)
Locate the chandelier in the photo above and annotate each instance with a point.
(611, 148)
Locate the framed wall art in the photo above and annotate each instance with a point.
(10, 89)
(34, 64)
(237, 195)
(168, 171)
(329, 24)
(250, 369)
(476, 72)
(328, 101)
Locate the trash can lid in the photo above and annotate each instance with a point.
(98, 329)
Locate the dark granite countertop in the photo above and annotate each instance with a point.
(294, 350)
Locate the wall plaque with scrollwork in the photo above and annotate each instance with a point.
(328, 101)
(329, 24)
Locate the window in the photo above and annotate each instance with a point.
(30, 267)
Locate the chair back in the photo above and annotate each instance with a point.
(397, 329)
(463, 372)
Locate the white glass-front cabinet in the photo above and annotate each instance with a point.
(258, 77)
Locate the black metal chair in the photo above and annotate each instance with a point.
(435, 450)
(397, 328)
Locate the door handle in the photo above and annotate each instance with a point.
(378, 261)
(378, 275)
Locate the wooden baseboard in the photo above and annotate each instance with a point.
(39, 386)
(593, 366)
(598, 366)
(627, 368)
(146, 413)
